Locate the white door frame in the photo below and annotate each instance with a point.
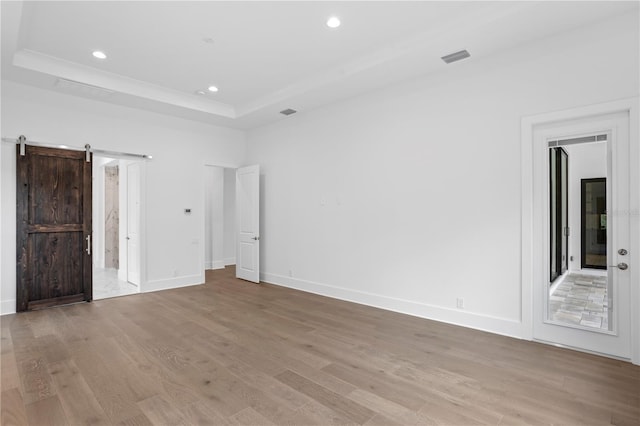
(134, 278)
(530, 211)
(142, 246)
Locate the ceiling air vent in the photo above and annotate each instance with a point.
(288, 111)
(86, 89)
(453, 57)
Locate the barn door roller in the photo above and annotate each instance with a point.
(22, 140)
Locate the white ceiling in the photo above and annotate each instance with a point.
(264, 56)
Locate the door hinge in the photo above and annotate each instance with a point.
(89, 244)
(87, 148)
(567, 231)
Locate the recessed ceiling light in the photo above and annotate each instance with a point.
(99, 54)
(333, 22)
(200, 92)
(213, 89)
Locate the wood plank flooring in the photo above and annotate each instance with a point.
(235, 353)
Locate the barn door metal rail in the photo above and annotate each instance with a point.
(22, 141)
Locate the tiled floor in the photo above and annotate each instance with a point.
(106, 284)
(581, 299)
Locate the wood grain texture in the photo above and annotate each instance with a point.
(46, 412)
(53, 224)
(12, 410)
(77, 398)
(23, 280)
(235, 353)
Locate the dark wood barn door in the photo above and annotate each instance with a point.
(53, 228)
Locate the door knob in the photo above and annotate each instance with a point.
(622, 266)
(256, 238)
(622, 252)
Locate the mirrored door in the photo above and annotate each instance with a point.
(579, 292)
(581, 295)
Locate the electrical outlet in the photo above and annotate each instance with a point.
(460, 303)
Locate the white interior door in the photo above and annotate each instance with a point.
(615, 339)
(248, 223)
(133, 223)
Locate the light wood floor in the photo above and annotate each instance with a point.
(231, 352)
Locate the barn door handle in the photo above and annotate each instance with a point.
(89, 245)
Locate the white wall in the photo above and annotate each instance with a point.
(174, 178)
(409, 198)
(586, 161)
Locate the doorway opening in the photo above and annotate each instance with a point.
(220, 217)
(115, 216)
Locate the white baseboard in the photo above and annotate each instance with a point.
(229, 261)
(503, 326)
(214, 264)
(170, 283)
(8, 307)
